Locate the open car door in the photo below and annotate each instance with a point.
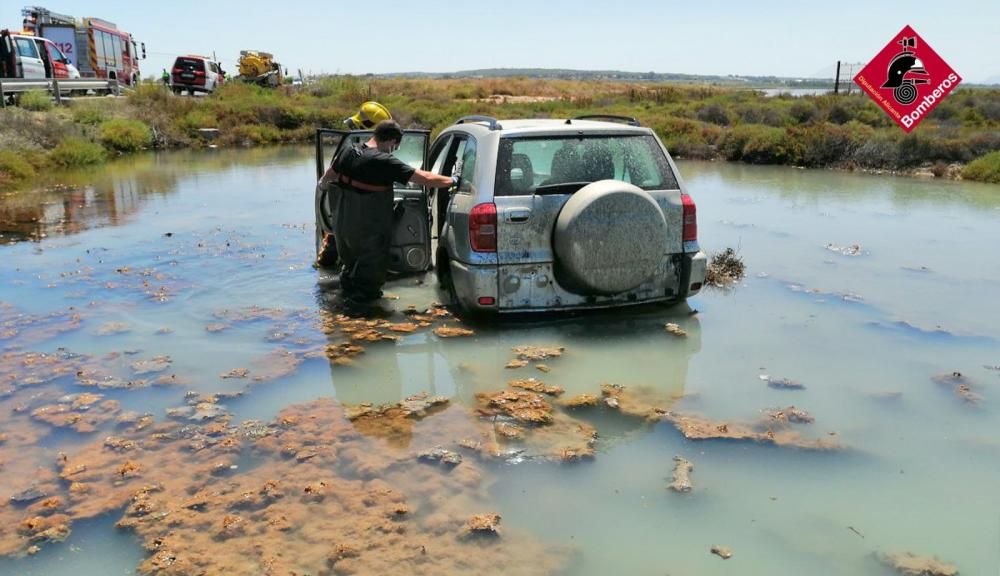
(410, 248)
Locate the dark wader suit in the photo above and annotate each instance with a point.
(364, 219)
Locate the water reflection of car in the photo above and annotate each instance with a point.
(598, 346)
(548, 215)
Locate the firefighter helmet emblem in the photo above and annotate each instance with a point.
(902, 69)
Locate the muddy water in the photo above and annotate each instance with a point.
(859, 288)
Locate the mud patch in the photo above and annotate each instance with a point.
(676, 330)
(850, 250)
(962, 386)
(681, 481)
(765, 431)
(537, 386)
(325, 502)
(36, 328)
(722, 552)
(909, 564)
(782, 383)
(452, 332)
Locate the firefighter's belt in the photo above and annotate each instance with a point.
(359, 185)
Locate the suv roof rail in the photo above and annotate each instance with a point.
(608, 117)
(493, 123)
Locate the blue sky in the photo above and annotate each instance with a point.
(759, 37)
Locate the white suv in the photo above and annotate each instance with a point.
(195, 74)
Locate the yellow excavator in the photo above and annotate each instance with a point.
(259, 68)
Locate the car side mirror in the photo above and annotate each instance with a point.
(143, 50)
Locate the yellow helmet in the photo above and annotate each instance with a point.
(371, 113)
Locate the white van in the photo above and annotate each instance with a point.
(27, 56)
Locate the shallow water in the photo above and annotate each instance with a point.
(172, 241)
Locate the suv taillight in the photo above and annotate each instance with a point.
(690, 233)
(483, 228)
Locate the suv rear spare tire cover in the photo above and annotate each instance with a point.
(609, 238)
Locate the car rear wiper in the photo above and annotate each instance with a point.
(560, 188)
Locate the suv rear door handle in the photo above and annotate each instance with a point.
(519, 215)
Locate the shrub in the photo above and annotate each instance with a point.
(983, 143)
(21, 129)
(250, 134)
(768, 145)
(150, 94)
(688, 138)
(916, 149)
(35, 100)
(77, 152)
(88, 116)
(14, 167)
(194, 120)
(759, 114)
(731, 146)
(824, 144)
(284, 116)
(990, 110)
(715, 114)
(126, 135)
(803, 111)
(758, 144)
(877, 153)
(838, 114)
(984, 169)
(971, 117)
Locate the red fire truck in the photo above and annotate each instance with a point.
(96, 47)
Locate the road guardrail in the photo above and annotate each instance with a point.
(56, 86)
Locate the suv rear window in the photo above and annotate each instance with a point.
(190, 64)
(563, 165)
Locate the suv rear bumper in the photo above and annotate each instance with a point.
(519, 288)
(192, 87)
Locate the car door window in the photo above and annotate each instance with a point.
(26, 48)
(57, 55)
(440, 154)
(42, 53)
(466, 167)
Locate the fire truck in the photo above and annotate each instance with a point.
(96, 47)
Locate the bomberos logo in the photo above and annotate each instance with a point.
(907, 79)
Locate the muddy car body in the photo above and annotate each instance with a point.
(552, 215)
(583, 213)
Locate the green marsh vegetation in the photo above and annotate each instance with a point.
(699, 122)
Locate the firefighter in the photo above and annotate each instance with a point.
(370, 114)
(366, 174)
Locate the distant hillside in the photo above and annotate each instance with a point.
(622, 76)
